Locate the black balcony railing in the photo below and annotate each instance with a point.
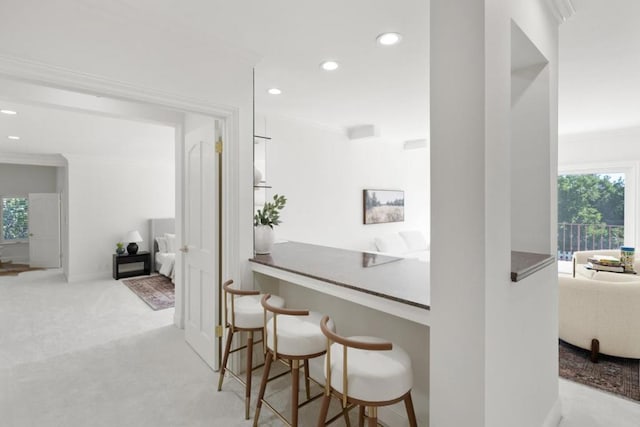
(586, 237)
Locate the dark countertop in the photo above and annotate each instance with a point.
(398, 279)
(524, 264)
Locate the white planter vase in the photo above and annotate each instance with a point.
(264, 237)
(257, 176)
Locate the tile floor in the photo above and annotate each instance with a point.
(93, 354)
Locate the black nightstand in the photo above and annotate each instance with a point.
(141, 259)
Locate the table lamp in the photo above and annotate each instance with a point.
(133, 237)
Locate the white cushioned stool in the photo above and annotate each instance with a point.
(365, 371)
(292, 335)
(247, 315)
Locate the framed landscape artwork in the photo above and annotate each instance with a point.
(381, 206)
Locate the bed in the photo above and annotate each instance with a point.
(164, 247)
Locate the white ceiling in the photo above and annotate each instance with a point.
(388, 87)
(45, 130)
(384, 86)
(600, 66)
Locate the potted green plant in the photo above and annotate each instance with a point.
(264, 220)
(119, 248)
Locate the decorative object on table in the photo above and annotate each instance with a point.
(263, 222)
(157, 291)
(380, 206)
(119, 248)
(605, 263)
(627, 256)
(133, 237)
(257, 176)
(617, 375)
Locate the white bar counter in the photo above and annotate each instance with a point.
(365, 294)
(397, 286)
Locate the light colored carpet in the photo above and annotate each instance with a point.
(93, 354)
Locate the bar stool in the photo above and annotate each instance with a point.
(375, 373)
(292, 335)
(247, 315)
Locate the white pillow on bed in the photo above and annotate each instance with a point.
(163, 244)
(171, 243)
(415, 240)
(392, 244)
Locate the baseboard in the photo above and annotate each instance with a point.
(388, 416)
(554, 416)
(88, 276)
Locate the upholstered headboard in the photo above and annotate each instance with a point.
(157, 227)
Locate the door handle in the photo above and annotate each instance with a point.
(30, 234)
(184, 249)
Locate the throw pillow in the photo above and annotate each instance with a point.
(392, 244)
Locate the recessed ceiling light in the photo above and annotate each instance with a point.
(329, 65)
(274, 91)
(388, 39)
(13, 137)
(11, 113)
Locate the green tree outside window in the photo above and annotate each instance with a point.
(15, 218)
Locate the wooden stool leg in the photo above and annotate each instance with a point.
(307, 385)
(411, 413)
(247, 391)
(373, 416)
(295, 385)
(227, 349)
(360, 416)
(595, 350)
(324, 409)
(345, 414)
(263, 386)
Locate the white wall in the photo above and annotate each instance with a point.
(96, 39)
(108, 198)
(493, 342)
(20, 180)
(322, 173)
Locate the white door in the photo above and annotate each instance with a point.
(44, 230)
(200, 237)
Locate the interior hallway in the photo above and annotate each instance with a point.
(93, 354)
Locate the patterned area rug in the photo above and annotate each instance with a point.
(613, 374)
(11, 269)
(157, 291)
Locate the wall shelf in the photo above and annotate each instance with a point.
(524, 264)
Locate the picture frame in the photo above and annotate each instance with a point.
(382, 206)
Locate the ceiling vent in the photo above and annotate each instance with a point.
(362, 132)
(415, 144)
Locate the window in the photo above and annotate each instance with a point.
(591, 212)
(15, 218)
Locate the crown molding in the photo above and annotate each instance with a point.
(561, 10)
(33, 159)
(27, 70)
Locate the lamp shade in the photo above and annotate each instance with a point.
(133, 237)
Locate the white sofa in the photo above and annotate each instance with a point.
(404, 244)
(602, 306)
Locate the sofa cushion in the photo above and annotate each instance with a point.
(392, 243)
(415, 240)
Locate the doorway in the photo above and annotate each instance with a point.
(171, 113)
